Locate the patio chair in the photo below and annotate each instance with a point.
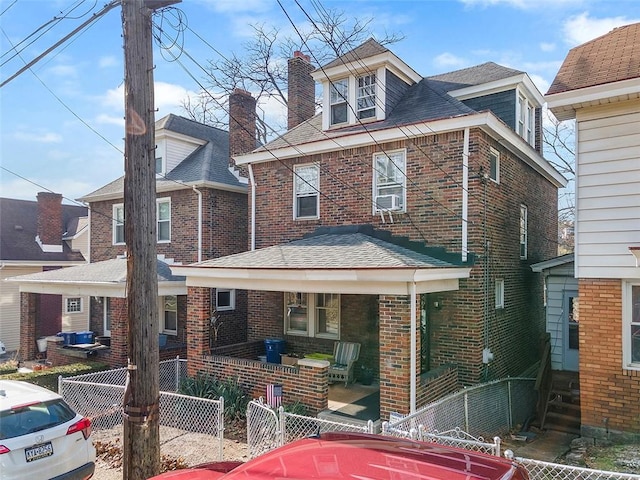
(345, 355)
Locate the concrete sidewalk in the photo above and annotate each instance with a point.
(546, 446)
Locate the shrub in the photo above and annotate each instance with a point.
(235, 397)
(48, 378)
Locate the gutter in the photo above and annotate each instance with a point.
(199, 222)
(253, 207)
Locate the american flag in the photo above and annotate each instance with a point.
(274, 395)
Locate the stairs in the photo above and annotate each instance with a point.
(562, 409)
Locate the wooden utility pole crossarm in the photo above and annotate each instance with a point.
(141, 399)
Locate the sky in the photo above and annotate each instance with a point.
(61, 121)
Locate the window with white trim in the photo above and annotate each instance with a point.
(73, 305)
(225, 299)
(494, 165)
(366, 96)
(159, 166)
(312, 315)
(338, 97)
(306, 191)
(631, 325)
(499, 293)
(170, 314)
(389, 181)
(118, 224)
(106, 316)
(163, 216)
(525, 114)
(523, 231)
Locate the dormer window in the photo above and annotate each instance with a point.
(526, 119)
(366, 96)
(339, 96)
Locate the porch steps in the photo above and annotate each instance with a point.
(562, 409)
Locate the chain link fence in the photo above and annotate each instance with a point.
(268, 429)
(539, 470)
(99, 396)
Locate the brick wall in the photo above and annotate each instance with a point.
(436, 384)
(301, 90)
(608, 393)
(29, 312)
(50, 228)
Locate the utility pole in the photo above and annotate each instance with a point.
(142, 391)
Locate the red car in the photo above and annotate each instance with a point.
(352, 455)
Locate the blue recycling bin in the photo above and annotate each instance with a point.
(68, 337)
(274, 347)
(84, 337)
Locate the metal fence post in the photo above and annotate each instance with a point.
(220, 427)
(510, 421)
(466, 412)
(283, 426)
(177, 384)
(60, 385)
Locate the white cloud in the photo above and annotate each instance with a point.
(108, 61)
(105, 119)
(168, 99)
(522, 4)
(449, 60)
(540, 82)
(44, 137)
(582, 28)
(547, 47)
(63, 71)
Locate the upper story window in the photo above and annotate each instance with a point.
(170, 314)
(389, 181)
(118, 224)
(499, 293)
(163, 215)
(494, 165)
(306, 191)
(631, 325)
(338, 98)
(523, 231)
(73, 305)
(366, 96)
(159, 166)
(526, 119)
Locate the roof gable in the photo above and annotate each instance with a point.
(368, 49)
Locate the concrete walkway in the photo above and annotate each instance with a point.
(546, 446)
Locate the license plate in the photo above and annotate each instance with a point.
(39, 451)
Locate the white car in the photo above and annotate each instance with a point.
(41, 437)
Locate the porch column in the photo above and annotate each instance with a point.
(395, 354)
(198, 314)
(118, 312)
(29, 313)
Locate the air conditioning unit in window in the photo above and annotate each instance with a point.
(388, 202)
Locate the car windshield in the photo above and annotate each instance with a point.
(21, 420)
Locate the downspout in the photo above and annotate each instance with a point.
(465, 195)
(414, 353)
(253, 207)
(199, 222)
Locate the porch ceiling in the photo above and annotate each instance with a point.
(100, 279)
(340, 263)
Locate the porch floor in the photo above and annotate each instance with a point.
(341, 396)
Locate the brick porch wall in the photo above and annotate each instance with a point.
(29, 312)
(436, 384)
(608, 393)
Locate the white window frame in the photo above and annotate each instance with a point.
(303, 188)
(163, 311)
(365, 92)
(628, 322)
(232, 299)
(312, 316)
(499, 293)
(525, 119)
(524, 231)
(496, 154)
(339, 98)
(117, 223)
(106, 316)
(69, 301)
(380, 188)
(161, 201)
(160, 168)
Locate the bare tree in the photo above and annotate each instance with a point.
(262, 67)
(559, 141)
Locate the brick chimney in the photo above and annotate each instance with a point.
(242, 123)
(301, 103)
(49, 234)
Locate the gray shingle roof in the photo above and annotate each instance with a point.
(108, 271)
(333, 250)
(19, 228)
(476, 75)
(366, 50)
(208, 163)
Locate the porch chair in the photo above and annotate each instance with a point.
(345, 356)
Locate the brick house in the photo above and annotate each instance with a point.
(201, 212)
(35, 237)
(404, 217)
(598, 85)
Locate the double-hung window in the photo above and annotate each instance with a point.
(118, 224)
(306, 191)
(338, 99)
(170, 314)
(312, 315)
(523, 231)
(494, 165)
(163, 216)
(526, 119)
(631, 325)
(366, 96)
(499, 293)
(389, 180)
